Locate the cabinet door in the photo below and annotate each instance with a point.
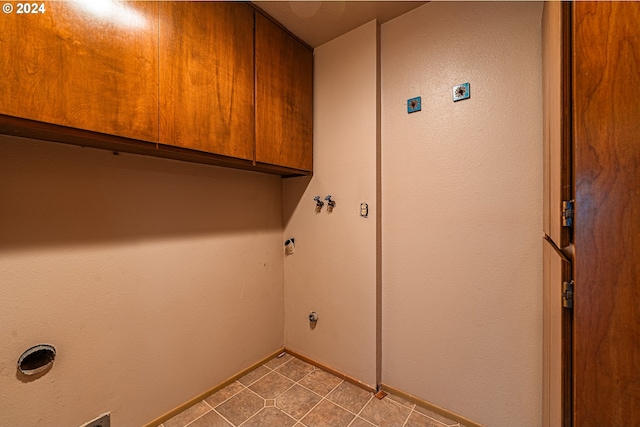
(284, 98)
(556, 65)
(556, 384)
(79, 65)
(206, 77)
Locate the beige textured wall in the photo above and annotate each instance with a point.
(334, 268)
(154, 279)
(462, 209)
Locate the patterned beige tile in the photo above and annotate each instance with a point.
(416, 419)
(435, 416)
(188, 415)
(350, 397)
(240, 407)
(254, 375)
(320, 381)
(212, 419)
(400, 400)
(385, 413)
(295, 369)
(326, 414)
(271, 386)
(361, 422)
(297, 401)
(220, 396)
(276, 362)
(270, 402)
(270, 417)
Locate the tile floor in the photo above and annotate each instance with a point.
(287, 392)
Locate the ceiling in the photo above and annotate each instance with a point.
(317, 22)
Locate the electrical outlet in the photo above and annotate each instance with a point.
(364, 210)
(103, 420)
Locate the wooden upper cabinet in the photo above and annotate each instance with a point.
(76, 65)
(284, 98)
(206, 77)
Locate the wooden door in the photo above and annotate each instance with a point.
(207, 77)
(284, 98)
(607, 223)
(556, 391)
(76, 65)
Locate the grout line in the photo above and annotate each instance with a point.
(310, 410)
(258, 378)
(404, 406)
(360, 411)
(284, 376)
(348, 410)
(306, 375)
(283, 363)
(334, 389)
(264, 407)
(196, 419)
(407, 420)
(263, 398)
(342, 407)
(225, 418)
(319, 402)
(233, 395)
(316, 393)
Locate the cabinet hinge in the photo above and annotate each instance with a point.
(567, 294)
(567, 213)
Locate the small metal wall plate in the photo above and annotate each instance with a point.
(461, 92)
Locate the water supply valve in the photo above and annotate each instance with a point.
(319, 204)
(330, 203)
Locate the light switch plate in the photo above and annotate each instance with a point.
(461, 92)
(414, 104)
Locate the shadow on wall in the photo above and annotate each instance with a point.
(53, 194)
(294, 189)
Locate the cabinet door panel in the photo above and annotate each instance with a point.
(284, 98)
(556, 392)
(206, 77)
(556, 65)
(84, 67)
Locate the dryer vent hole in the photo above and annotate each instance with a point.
(36, 359)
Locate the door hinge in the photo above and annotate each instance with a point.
(567, 294)
(567, 213)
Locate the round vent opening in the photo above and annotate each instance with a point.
(36, 359)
